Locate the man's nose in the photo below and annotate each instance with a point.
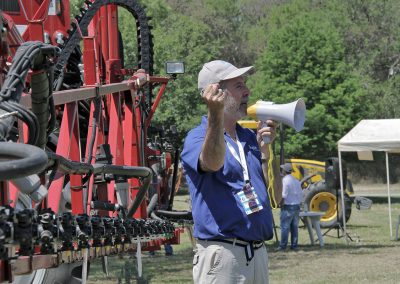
(246, 92)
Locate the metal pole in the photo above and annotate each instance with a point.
(139, 259)
(275, 233)
(342, 195)
(388, 190)
(174, 175)
(282, 137)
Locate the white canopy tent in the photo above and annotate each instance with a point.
(367, 136)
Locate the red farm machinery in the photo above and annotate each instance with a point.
(84, 174)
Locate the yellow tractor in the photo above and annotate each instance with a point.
(319, 194)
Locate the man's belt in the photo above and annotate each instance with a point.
(249, 246)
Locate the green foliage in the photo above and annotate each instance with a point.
(179, 38)
(128, 34)
(387, 103)
(370, 30)
(305, 58)
(74, 7)
(371, 35)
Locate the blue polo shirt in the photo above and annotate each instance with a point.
(217, 211)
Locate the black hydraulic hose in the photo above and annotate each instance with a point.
(40, 105)
(140, 194)
(30, 55)
(72, 167)
(174, 214)
(68, 166)
(128, 171)
(15, 79)
(52, 121)
(20, 160)
(25, 115)
(174, 175)
(101, 205)
(59, 81)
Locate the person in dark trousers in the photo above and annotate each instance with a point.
(224, 171)
(292, 195)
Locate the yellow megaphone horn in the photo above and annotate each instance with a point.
(292, 114)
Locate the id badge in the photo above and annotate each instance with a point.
(249, 199)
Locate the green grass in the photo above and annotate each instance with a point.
(372, 257)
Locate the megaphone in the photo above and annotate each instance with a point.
(292, 114)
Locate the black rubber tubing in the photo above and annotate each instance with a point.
(20, 160)
(181, 214)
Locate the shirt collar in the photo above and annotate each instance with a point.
(240, 131)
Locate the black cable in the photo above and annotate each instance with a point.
(23, 114)
(30, 118)
(52, 120)
(52, 173)
(30, 55)
(20, 160)
(174, 177)
(20, 66)
(24, 60)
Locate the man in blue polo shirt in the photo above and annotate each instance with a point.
(222, 163)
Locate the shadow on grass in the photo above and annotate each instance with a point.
(354, 227)
(342, 247)
(383, 199)
(124, 270)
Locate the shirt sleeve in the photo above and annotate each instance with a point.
(285, 187)
(192, 149)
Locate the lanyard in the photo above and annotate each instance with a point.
(241, 158)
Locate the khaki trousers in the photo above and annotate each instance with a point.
(217, 262)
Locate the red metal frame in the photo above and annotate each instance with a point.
(121, 118)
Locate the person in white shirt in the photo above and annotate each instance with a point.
(292, 196)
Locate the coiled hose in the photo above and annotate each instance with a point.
(20, 160)
(30, 55)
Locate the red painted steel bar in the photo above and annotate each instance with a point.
(70, 116)
(77, 200)
(155, 104)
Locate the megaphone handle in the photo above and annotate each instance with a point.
(266, 140)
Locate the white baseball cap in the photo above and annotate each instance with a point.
(217, 71)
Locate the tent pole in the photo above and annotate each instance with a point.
(342, 195)
(388, 190)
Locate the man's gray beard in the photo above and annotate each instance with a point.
(233, 109)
